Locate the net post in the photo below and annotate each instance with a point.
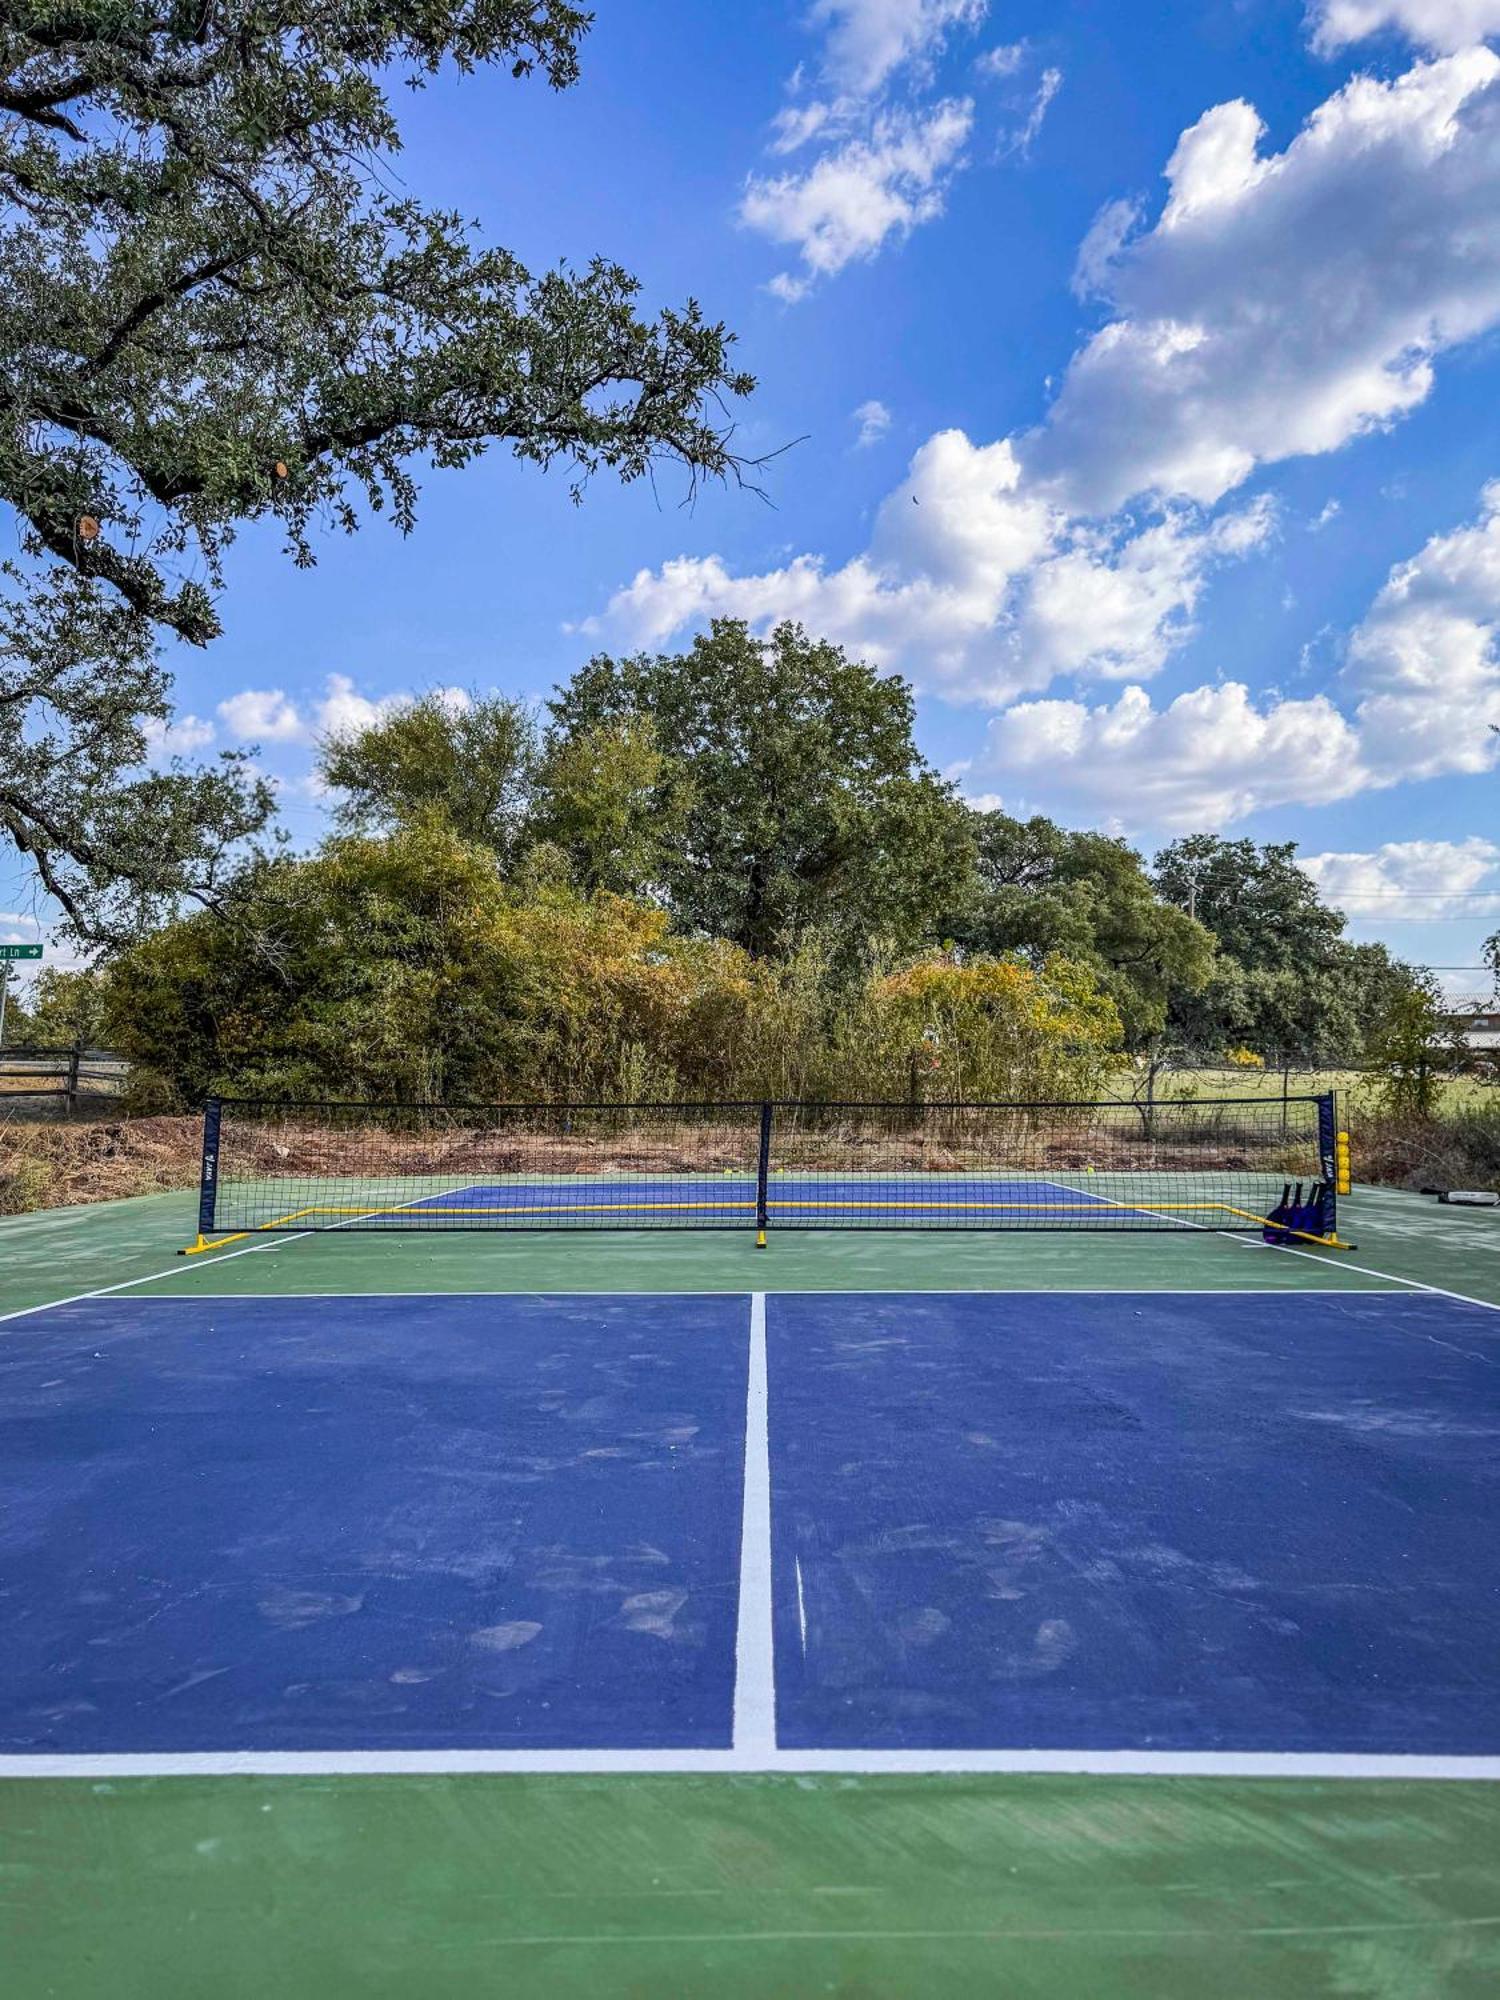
(208, 1173)
(1328, 1161)
(763, 1178)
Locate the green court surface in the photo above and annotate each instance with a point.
(761, 1883)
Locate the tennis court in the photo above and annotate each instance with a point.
(632, 1612)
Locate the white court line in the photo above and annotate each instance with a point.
(1133, 1208)
(871, 1763)
(754, 1654)
(151, 1278)
(1364, 1270)
(1392, 1277)
(1100, 1290)
(278, 1242)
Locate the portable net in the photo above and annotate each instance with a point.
(1099, 1166)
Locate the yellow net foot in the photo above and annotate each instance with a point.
(202, 1243)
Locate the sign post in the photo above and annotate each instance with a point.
(7, 953)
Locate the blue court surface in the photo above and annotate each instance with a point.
(938, 1521)
(791, 1195)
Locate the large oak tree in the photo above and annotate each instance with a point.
(806, 807)
(215, 309)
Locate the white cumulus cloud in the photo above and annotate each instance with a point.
(1421, 679)
(1117, 606)
(851, 200)
(262, 715)
(889, 147)
(1212, 755)
(270, 715)
(980, 589)
(343, 710)
(1421, 880)
(869, 40)
(1444, 25)
(977, 588)
(1425, 659)
(1261, 317)
(177, 738)
(1265, 315)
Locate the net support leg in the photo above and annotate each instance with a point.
(201, 1243)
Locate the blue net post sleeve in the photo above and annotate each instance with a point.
(208, 1174)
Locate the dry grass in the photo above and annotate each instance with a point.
(387, 1148)
(50, 1164)
(1459, 1151)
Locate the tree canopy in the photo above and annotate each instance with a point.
(1264, 910)
(471, 763)
(808, 806)
(405, 966)
(215, 310)
(1287, 982)
(768, 792)
(1041, 889)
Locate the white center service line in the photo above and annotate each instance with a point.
(754, 1652)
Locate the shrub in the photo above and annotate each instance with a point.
(404, 968)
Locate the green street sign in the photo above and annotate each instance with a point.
(20, 951)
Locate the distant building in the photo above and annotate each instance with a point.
(1478, 1026)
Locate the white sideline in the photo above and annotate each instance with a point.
(151, 1277)
(1364, 1270)
(1391, 1277)
(754, 1650)
(868, 1763)
(278, 1242)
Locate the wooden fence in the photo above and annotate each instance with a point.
(68, 1079)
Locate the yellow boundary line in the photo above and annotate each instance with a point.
(202, 1243)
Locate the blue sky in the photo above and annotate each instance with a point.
(1145, 366)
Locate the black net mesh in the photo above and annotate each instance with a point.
(1111, 1166)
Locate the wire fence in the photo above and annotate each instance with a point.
(1460, 1080)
